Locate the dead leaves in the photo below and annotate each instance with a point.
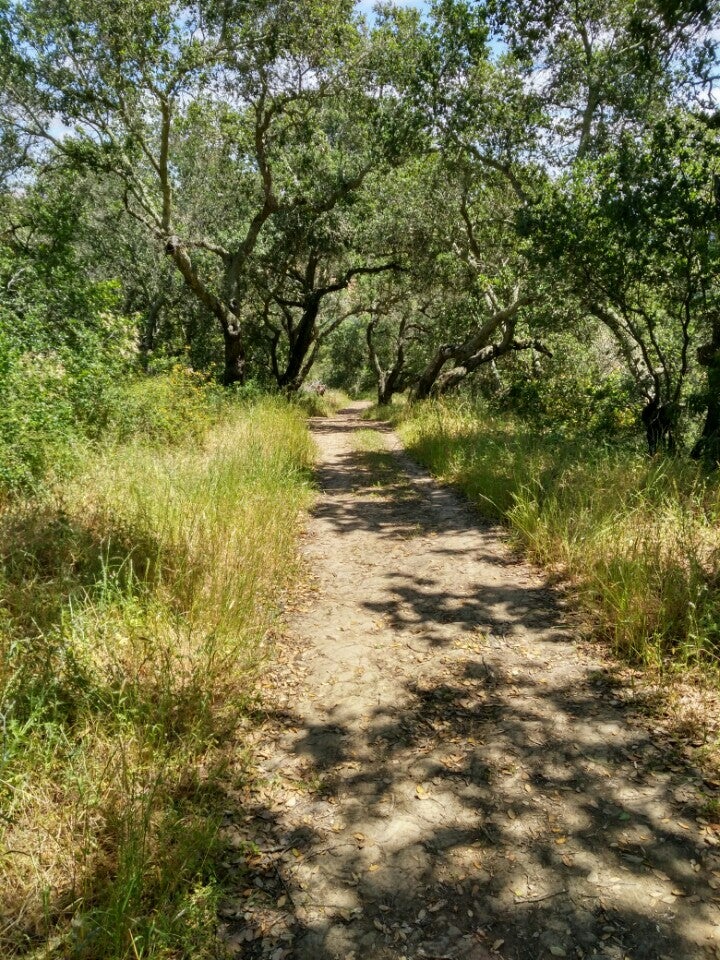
(467, 730)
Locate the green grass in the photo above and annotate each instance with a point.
(369, 441)
(325, 405)
(136, 602)
(387, 411)
(637, 539)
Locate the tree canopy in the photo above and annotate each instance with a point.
(260, 185)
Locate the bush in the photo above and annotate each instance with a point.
(58, 379)
(165, 408)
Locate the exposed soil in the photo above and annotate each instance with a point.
(443, 772)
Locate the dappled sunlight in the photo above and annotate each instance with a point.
(450, 776)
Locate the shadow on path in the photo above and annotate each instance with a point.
(449, 777)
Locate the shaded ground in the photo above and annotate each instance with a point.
(443, 773)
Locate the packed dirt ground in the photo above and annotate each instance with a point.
(443, 772)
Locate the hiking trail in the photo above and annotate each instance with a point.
(443, 772)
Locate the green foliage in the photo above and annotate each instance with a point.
(135, 606)
(55, 393)
(237, 188)
(636, 539)
(345, 362)
(631, 234)
(64, 339)
(163, 409)
(572, 394)
(502, 174)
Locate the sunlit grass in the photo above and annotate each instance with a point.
(369, 441)
(321, 405)
(135, 603)
(387, 411)
(637, 538)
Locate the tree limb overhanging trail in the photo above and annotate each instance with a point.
(444, 772)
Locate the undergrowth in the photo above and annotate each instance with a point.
(315, 404)
(638, 539)
(134, 605)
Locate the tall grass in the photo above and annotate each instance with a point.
(320, 405)
(134, 605)
(638, 539)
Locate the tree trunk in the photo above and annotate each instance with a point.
(708, 444)
(450, 379)
(454, 377)
(389, 381)
(659, 421)
(384, 379)
(425, 385)
(147, 340)
(497, 381)
(387, 388)
(234, 369)
(296, 370)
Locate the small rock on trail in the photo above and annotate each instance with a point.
(443, 773)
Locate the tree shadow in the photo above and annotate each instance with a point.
(541, 831)
(506, 802)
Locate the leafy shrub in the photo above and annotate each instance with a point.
(64, 346)
(163, 409)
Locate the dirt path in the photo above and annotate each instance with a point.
(445, 774)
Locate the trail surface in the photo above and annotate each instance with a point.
(445, 774)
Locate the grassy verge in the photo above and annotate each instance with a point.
(321, 405)
(639, 540)
(134, 607)
(377, 464)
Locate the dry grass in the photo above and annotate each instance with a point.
(639, 540)
(135, 605)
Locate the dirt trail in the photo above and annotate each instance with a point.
(448, 776)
